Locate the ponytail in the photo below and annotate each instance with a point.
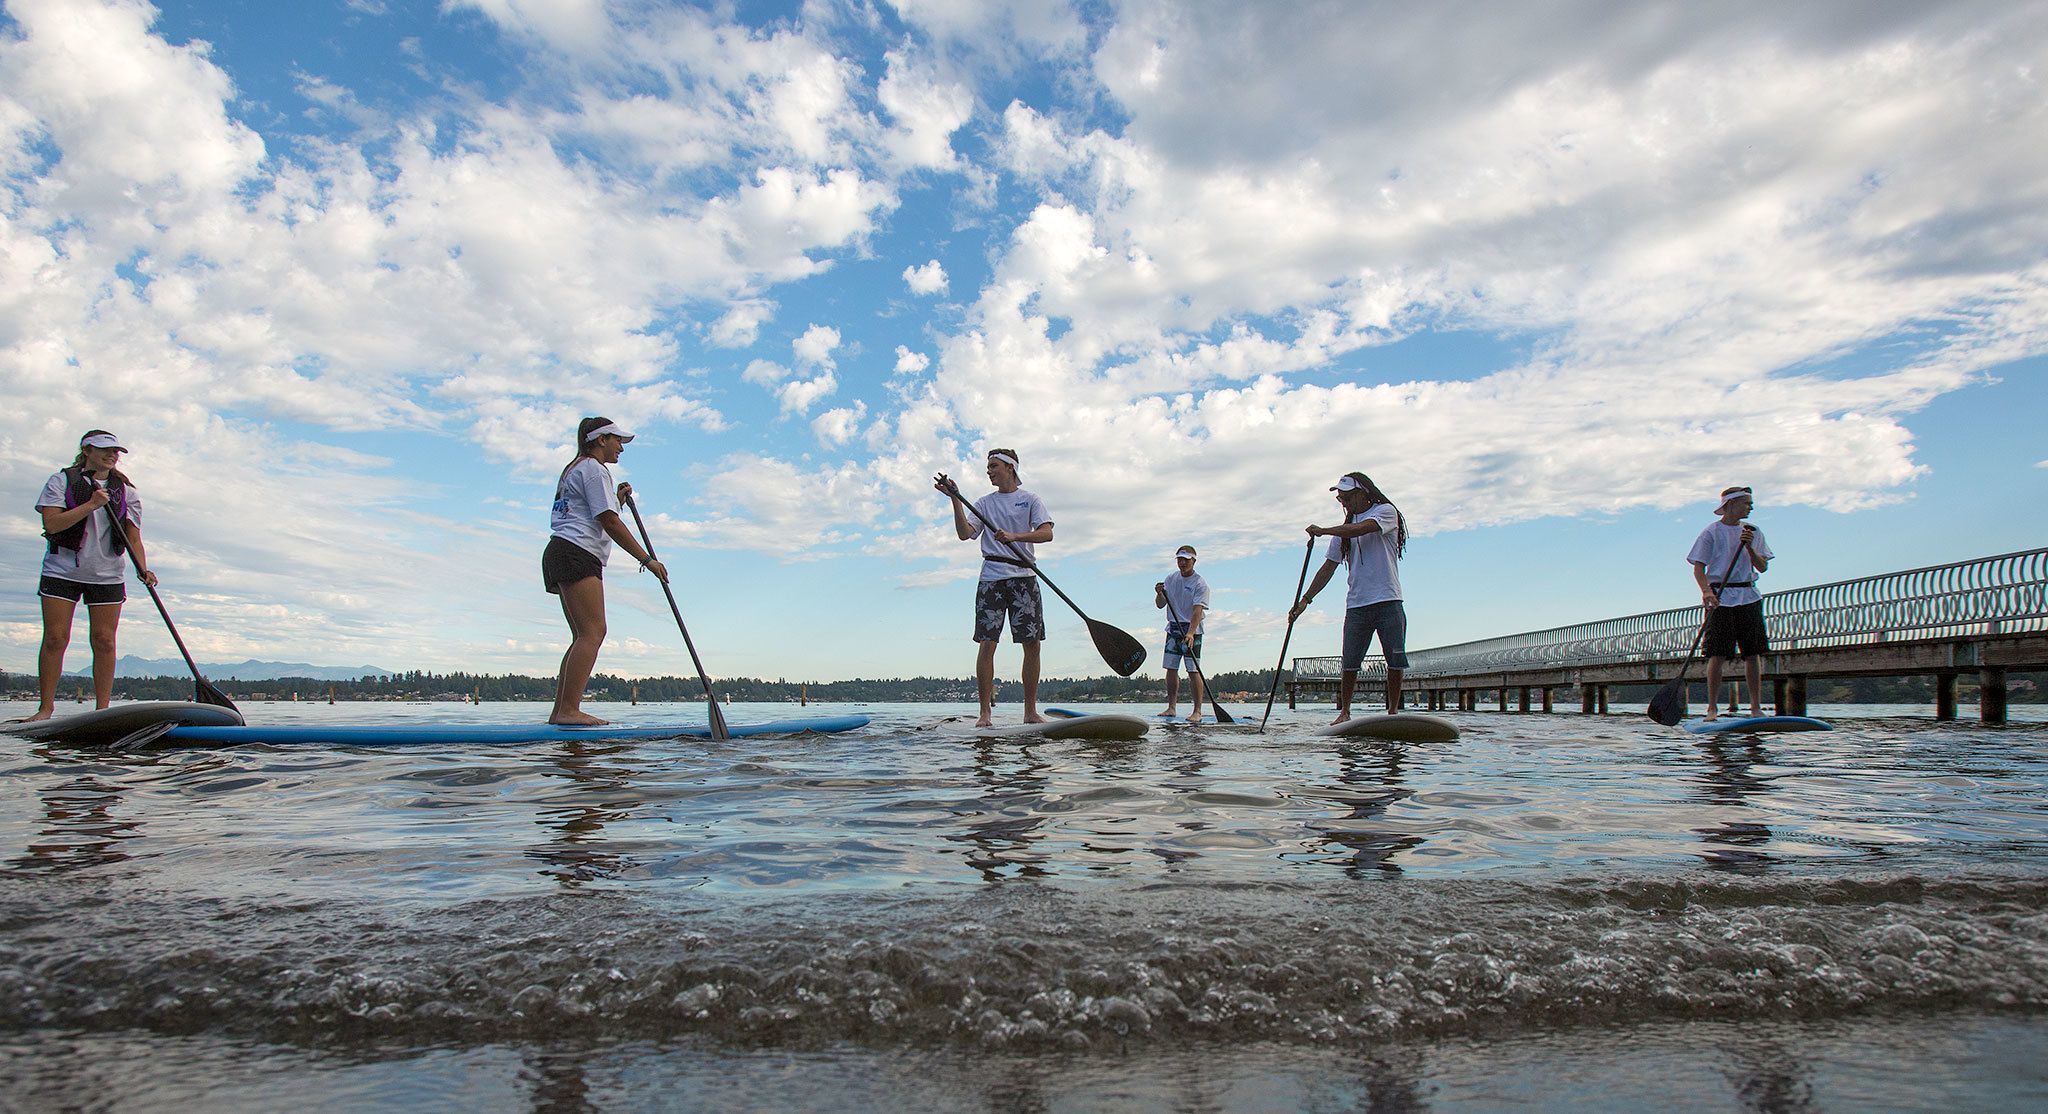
(583, 444)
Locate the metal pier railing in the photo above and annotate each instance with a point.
(1894, 623)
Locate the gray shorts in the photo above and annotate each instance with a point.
(1389, 620)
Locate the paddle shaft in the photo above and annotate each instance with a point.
(203, 690)
(1299, 583)
(1018, 553)
(716, 717)
(1195, 665)
(1699, 635)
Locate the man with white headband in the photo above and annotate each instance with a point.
(1725, 559)
(1185, 596)
(1008, 587)
(1370, 540)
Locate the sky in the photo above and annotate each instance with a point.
(344, 274)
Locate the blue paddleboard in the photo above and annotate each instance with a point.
(1757, 723)
(429, 734)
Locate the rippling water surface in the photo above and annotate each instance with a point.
(1591, 911)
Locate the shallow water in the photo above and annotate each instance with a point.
(1555, 910)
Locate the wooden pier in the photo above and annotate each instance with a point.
(1981, 618)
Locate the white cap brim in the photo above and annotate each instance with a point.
(613, 429)
(103, 441)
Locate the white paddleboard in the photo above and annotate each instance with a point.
(1403, 727)
(1063, 724)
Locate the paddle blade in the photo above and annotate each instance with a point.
(1123, 653)
(142, 738)
(203, 692)
(717, 717)
(1668, 706)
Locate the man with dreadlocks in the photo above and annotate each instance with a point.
(1371, 539)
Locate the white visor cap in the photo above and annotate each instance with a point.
(611, 428)
(103, 441)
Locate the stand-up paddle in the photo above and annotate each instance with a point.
(711, 711)
(203, 691)
(1195, 670)
(1289, 636)
(1668, 706)
(1123, 653)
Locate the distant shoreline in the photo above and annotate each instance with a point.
(1231, 688)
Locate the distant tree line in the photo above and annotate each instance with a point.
(420, 685)
(2022, 688)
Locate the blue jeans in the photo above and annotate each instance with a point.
(1389, 620)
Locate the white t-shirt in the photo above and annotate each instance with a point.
(1713, 548)
(585, 492)
(1375, 575)
(1019, 512)
(94, 561)
(1184, 594)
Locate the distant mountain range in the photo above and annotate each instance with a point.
(252, 670)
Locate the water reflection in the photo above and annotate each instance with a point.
(1393, 1083)
(561, 1081)
(602, 795)
(1769, 1079)
(1369, 782)
(1728, 780)
(1004, 829)
(81, 830)
(1187, 766)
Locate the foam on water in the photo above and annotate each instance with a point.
(1033, 966)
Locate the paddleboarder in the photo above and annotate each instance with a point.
(584, 524)
(1735, 609)
(1185, 596)
(1370, 540)
(85, 558)
(1007, 587)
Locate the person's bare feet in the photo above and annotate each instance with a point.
(985, 721)
(1196, 718)
(1033, 717)
(578, 719)
(1342, 717)
(41, 714)
(1170, 712)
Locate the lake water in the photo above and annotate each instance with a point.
(1554, 912)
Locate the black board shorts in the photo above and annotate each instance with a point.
(94, 595)
(565, 562)
(1736, 632)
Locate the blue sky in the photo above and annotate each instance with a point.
(345, 273)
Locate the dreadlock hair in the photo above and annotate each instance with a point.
(1374, 496)
(113, 474)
